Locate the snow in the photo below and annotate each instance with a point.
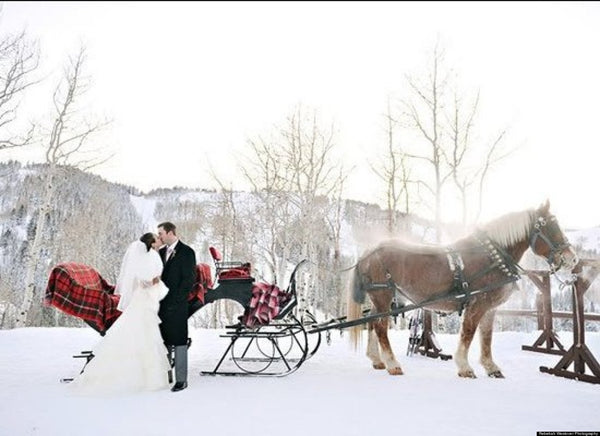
(145, 208)
(335, 392)
(588, 239)
(199, 196)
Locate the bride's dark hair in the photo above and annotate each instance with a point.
(148, 239)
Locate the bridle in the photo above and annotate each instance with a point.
(556, 249)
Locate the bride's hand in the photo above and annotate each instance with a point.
(150, 283)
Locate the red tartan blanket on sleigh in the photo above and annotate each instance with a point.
(265, 304)
(79, 290)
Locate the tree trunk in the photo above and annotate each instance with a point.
(34, 252)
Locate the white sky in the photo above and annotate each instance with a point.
(188, 82)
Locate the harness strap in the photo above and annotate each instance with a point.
(407, 308)
(461, 288)
(460, 284)
(390, 283)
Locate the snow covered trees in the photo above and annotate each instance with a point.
(298, 176)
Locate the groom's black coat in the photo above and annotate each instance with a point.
(179, 274)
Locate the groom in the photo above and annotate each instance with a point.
(178, 275)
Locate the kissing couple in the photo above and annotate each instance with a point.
(157, 273)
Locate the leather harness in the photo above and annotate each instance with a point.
(461, 288)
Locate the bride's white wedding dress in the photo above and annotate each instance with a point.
(131, 357)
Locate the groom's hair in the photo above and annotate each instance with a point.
(168, 227)
(148, 239)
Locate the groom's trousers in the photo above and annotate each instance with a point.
(181, 363)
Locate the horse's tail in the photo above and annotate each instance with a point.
(356, 296)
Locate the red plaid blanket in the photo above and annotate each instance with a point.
(202, 284)
(80, 291)
(265, 304)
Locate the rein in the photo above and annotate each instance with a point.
(348, 269)
(442, 297)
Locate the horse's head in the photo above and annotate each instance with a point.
(547, 240)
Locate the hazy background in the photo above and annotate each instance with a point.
(187, 83)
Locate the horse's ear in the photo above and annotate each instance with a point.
(544, 208)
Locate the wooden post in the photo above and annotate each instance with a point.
(539, 306)
(429, 345)
(579, 354)
(548, 339)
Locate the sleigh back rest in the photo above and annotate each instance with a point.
(216, 254)
(202, 284)
(79, 290)
(231, 270)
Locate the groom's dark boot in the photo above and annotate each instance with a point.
(180, 368)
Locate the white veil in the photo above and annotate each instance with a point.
(131, 272)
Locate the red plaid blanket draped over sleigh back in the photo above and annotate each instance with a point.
(265, 304)
(80, 290)
(203, 283)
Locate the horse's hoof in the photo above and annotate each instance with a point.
(496, 374)
(379, 365)
(395, 371)
(467, 374)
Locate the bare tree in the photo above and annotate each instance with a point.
(333, 282)
(424, 113)
(67, 146)
(393, 170)
(460, 135)
(314, 175)
(229, 231)
(445, 121)
(19, 58)
(295, 175)
(467, 167)
(265, 169)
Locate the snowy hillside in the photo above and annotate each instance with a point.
(587, 239)
(91, 221)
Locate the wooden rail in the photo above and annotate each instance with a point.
(588, 316)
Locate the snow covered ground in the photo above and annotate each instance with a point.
(334, 393)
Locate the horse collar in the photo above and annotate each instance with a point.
(500, 258)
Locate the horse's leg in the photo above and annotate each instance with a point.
(486, 327)
(381, 329)
(381, 300)
(373, 349)
(471, 317)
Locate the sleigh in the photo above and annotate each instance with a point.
(268, 338)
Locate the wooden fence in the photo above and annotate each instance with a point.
(578, 355)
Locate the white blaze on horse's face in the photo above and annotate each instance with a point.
(565, 260)
(573, 259)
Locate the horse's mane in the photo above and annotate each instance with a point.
(510, 228)
(505, 231)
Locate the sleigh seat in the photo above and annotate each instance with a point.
(230, 270)
(79, 290)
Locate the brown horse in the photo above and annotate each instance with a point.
(477, 274)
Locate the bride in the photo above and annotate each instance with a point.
(132, 356)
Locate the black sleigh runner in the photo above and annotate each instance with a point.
(268, 340)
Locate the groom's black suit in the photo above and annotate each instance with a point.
(179, 275)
